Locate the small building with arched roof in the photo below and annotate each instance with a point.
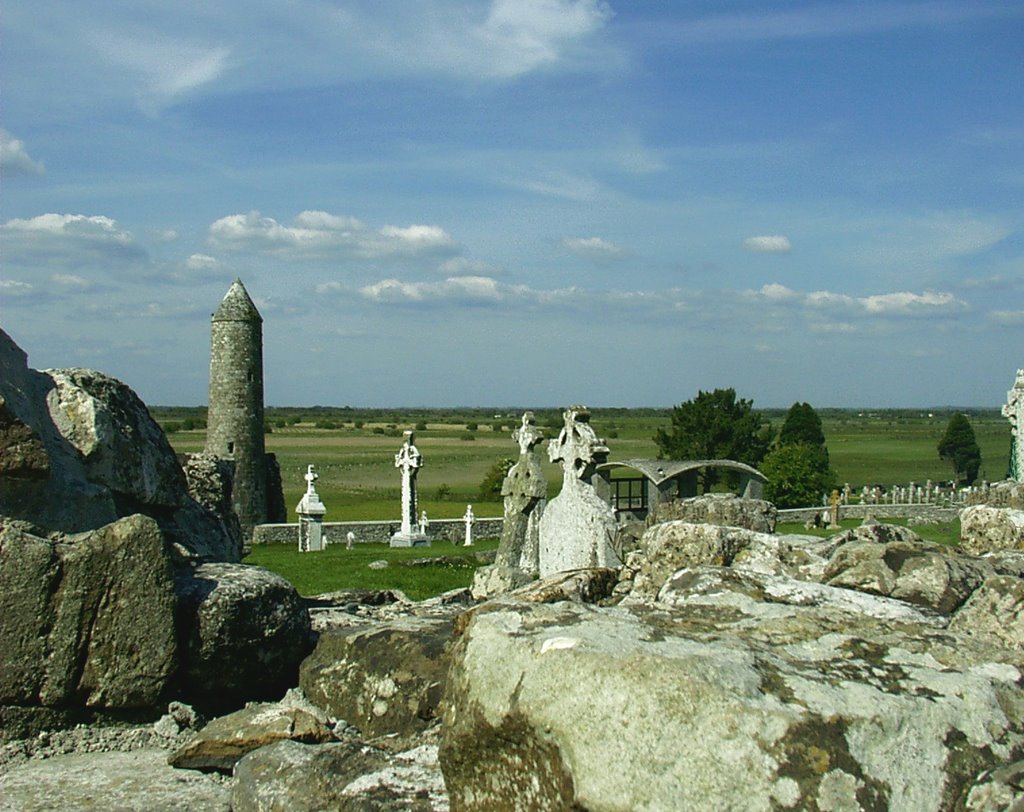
(663, 480)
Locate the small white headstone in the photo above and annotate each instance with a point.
(468, 519)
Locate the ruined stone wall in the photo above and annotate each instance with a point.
(440, 530)
(922, 514)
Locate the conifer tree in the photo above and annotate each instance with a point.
(959, 448)
(715, 425)
(797, 468)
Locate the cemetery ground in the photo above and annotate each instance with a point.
(353, 451)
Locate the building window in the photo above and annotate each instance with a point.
(629, 494)
(231, 448)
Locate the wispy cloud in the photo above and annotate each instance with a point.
(771, 244)
(318, 233)
(831, 20)
(593, 247)
(164, 68)
(1007, 318)
(14, 158)
(560, 184)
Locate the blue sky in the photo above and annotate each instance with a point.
(538, 202)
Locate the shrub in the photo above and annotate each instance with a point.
(490, 487)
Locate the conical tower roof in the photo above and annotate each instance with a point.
(237, 306)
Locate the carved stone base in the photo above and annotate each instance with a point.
(409, 540)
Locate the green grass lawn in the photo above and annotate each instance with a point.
(337, 568)
(943, 533)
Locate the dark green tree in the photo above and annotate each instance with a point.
(796, 476)
(715, 425)
(797, 468)
(959, 448)
(802, 425)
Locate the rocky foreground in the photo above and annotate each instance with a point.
(720, 668)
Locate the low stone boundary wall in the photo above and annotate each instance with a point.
(922, 514)
(450, 530)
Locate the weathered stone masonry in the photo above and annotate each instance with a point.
(235, 419)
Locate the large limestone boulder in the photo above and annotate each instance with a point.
(994, 613)
(243, 631)
(139, 779)
(739, 701)
(344, 776)
(88, 620)
(718, 508)
(986, 529)
(386, 679)
(669, 546)
(121, 445)
(918, 572)
(79, 449)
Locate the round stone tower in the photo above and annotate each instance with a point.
(234, 428)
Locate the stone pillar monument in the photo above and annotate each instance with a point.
(1013, 411)
(234, 423)
(409, 460)
(524, 490)
(578, 526)
(311, 516)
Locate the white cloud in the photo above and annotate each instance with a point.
(463, 289)
(68, 239)
(14, 158)
(201, 262)
(12, 287)
(900, 303)
(770, 244)
(905, 302)
(520, 36)
(166, 235)
(318, 233)
(593, 247)
(778, 292)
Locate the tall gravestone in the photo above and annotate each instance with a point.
(578, 526)
(524, 490)
(311, 513)
(234, 428)
(1013, 411)
(408, 460)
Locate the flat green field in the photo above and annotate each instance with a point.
(354, 454)
(358, 480)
